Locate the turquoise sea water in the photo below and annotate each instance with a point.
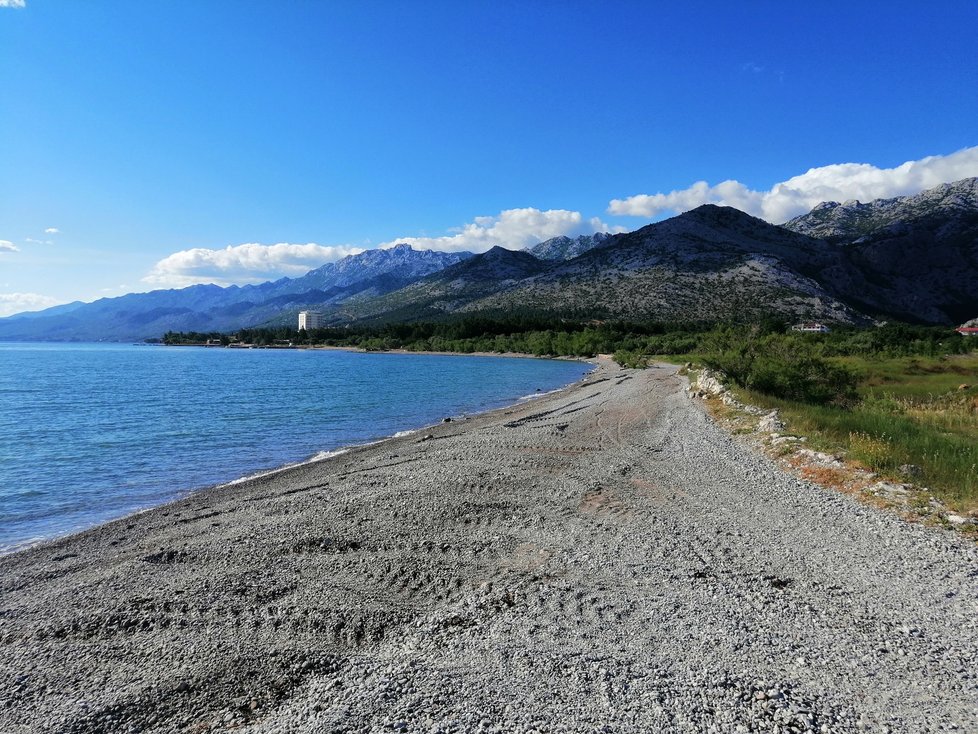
(89, 432)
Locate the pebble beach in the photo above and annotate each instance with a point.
(601, 559)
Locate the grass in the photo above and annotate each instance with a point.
(915, 377)
(913, 411)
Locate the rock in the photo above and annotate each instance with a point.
(771, 423)
(781, 440)
(955, 519)
(709, 382)
(911, 470)
(817, 457)
(890, 490)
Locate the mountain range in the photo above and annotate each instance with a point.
(207, 308)
(912, 258)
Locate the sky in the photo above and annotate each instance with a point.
(154, 145)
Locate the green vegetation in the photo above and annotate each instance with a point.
(631, 360)
(788, 366)
(918, 414)
(902, 400)
(888, 396)
(174, 338)
(539, 336)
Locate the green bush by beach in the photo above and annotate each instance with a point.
(787, 366)
(915, 419)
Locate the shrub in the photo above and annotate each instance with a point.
(631, 360)
(783, 366)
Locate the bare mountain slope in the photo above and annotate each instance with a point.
(453, 288)
(853, 219)
(566, 248)
(710, 263)
(914, 257)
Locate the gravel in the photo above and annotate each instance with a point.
(604, 559)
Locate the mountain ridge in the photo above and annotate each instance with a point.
(209, 307)
(911, 258)
(914, 258)
(679, 268)
(567, 248)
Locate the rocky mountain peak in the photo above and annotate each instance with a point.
(495, 264)
(567, 248)
(853, 219)
(826, 205)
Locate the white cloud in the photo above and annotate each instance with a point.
(242, 264)
(52, 230)
(257, 263)
(12, 4)
(797, 195)
(8, 246)
(513, 229)
(39, 242)
(11, 303)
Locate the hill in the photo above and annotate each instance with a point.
(911, 258)
(710, 263)
(914, 258)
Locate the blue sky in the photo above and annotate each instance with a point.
(180, 142)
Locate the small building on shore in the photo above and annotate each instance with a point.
(811, 327)
(967, 330)
(310, 320)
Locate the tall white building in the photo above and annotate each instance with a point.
(310, 320)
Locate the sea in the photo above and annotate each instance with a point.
(92, 432)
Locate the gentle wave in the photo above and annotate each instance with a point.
(539, 394)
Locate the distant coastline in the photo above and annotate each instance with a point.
(435, 353)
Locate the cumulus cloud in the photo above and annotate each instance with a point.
(12, 4)
(513, 229)
(52, 230)
(11, 303)
(797, 195)
(257, 263)
(8, 246)
(242, 264)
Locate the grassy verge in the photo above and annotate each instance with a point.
(916, 420)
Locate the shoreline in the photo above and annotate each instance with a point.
(361, 350)
(319, 456)
(603, 556)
